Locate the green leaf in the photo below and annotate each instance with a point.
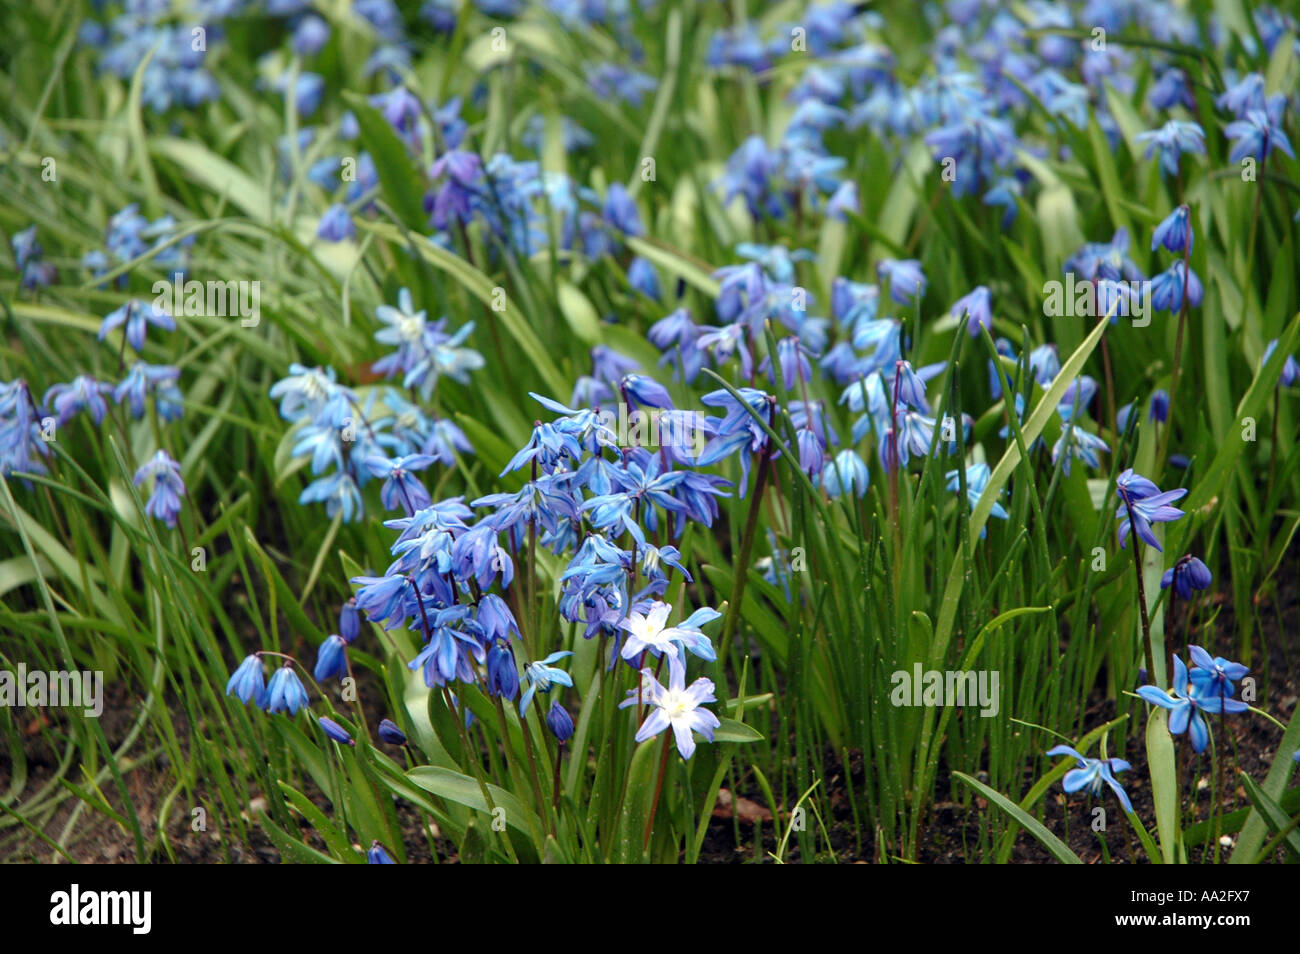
(1164, 784)
(463, 790)
(337, 841)
(1273, 813)
(398, 177)
(223, 177)
(732, 731)
(1059, 849)
(292, 849)
(1252, 833)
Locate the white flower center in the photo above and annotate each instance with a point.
(675, 704)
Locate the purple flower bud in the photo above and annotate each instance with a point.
(503, 677)
(1175, 232)
(331, 659)
(1187, 576)
(641, 275)
(390, 733)
(645, 391)
(1159, 406)
(335, 731)
(558, 721)
(336, 225)
(349, 621)
(378, 856)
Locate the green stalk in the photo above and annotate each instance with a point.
(746, 549)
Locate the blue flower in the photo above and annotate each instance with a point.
(1045, 362)
(502, 676)
(1171, 140)
(165, 502)
(339, 493)
(846, 474)
(1243, 96)
(795, 366)
(1167, 288)
(620, 211)
(20, 431)
(911, 388)
(559, 722)
(136, 315)
(331, 659)
(454, 200)
(335, 731)
(1076, 442)
(336, 224)
(1185, 704)
(906, 280)
(246, 683)
(402, 489)
(1078, 395)
(308, 91)
(26, 247)
(1214, 678)
(310, 35)
(1159, 406)
(812, 452)
(609, 81)
(349, 621)
(390, 733)
(1175, 232)
(548, 446)
(1258, 134)
(541, 675)
(844, 201)
(284, 693)
(738, 431)
(1091, 773)
(915, 438)
(643, 391)
(1108, 260)
(1187, 575)
(641, 275)
(676, 707)
(977, 308)
(377, 855)
(1171, 90)
(1142, 504)
(1290, 367)
(648, 632)
(143, 379)
(977, 478)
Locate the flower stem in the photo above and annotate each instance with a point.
(742, 560)
(659, 787)
(1178, 360)
(555, 796)
(1142, 594)
(547, 820)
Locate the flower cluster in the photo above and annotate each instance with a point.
(1207, 689)
(349, 439)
